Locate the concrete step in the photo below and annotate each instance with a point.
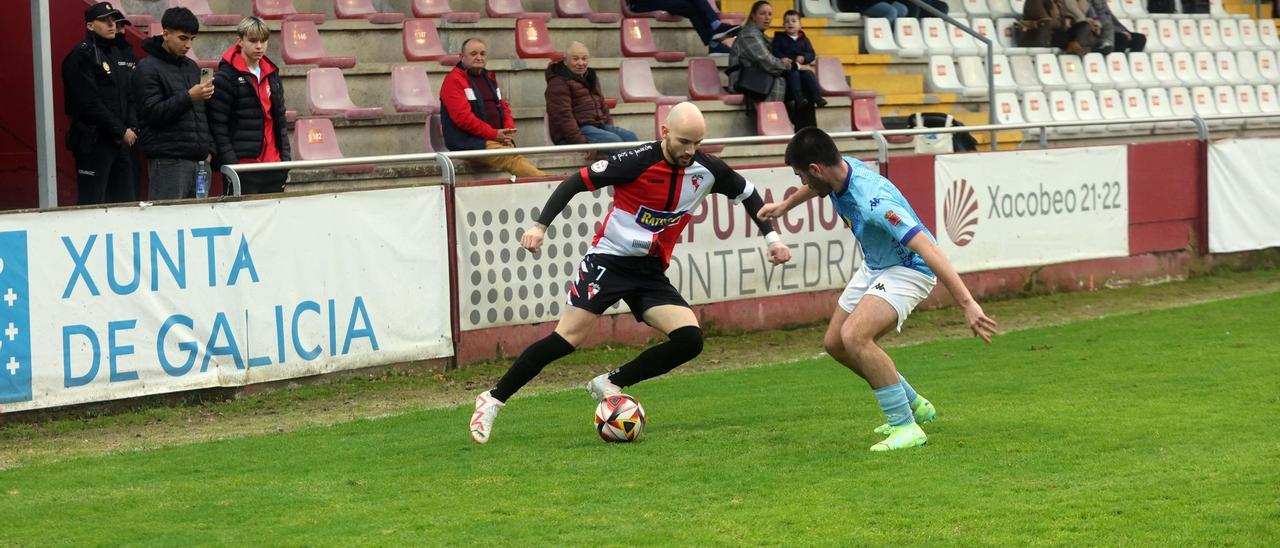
(889, 84)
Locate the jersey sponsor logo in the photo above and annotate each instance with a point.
(599, 166)
(656, 221)
(892, 217)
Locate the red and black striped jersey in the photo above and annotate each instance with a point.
(652, 199)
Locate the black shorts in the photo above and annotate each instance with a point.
(641, 282)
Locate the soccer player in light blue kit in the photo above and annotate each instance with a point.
(901, 264)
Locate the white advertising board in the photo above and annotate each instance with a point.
(1244, 195)
(1028, 208)
(127, 301)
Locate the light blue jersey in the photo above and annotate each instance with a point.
(881, 219)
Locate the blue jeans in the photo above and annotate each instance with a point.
(802, 84)
(608, 134)
(888, 10)
(704, 19)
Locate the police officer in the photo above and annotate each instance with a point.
(97, 80)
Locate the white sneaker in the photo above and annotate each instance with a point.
(600, 387)
(487, 408)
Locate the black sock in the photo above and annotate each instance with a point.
(684, 345)
(530, 363)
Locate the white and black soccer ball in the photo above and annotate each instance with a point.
(620, 419)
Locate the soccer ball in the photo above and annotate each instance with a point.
(619, 418)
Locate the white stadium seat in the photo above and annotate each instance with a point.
(936, 41)
(987, 28)
(943, 78)
(1268, 66)
(1247, 64)
(961, 42)
(1189, 35)
(1207, 68)
(1225, 100)
(1269, 103)
(1162, 68)
(1007, 109)
(1035, 108)
(1267, 33)
(1229, 31)
(1095, 70)
(1147, 27)
(878, 36)
(1118, 70)
(1113, 109)
(1184, 66)
(977, 8)
(1003, 73)
(1247, 100)
(1024, 73)
(1158, 105)
(1002, 8)
(1167, 31)
(1073, 72)
(1135, 108)
(973, 75)
(1140, 68)
(906, 31)
(1062, 109)
(1087, 109)
(1249, 34)
(1209, 37)
(1048, 72)
(1227, 68)
(1182, 105)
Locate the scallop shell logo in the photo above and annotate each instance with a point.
(960, 212)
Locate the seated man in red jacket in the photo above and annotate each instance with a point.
(474, 115)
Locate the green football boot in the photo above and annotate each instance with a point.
(920, 408)
(902, 437)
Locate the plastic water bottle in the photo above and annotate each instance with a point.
(202, 180)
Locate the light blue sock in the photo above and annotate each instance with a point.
(893, 401)
(911, 392)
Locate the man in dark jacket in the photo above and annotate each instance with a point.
(475, 116)
(246, 113)
(576, 110)
(96, 77)
(171, 108)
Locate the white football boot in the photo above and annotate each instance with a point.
(487, 408)
(600, 387)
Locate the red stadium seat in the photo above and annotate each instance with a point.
(830, 73)
(433, 135)
(363, 9)
(327, 96)
(138, 20)
(581, 9)
(441, 9)
(317, 141)
(866, 116)
(705, 85)
(772, 119)
(637, 41)
(422, 43)
(730, 18)
(205, 13)
(636, 82)
(510, 9)
(659, 15)
(660, 117)
(300, 45)
(533, 40)
(283, 9)
(411, 90)
(291, 116)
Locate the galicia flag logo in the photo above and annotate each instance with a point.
(15, 319)
(960, 213)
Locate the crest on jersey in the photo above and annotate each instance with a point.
(892, 217)
(696, 180)
(600, 166)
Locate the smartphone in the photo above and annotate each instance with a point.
(206, 74)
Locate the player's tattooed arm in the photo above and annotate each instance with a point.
(570, 187)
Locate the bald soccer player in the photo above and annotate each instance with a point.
(655, 188)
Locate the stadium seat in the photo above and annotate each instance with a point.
(1095, 70)
(327, 96)
(1189, 35)
(1111, 106)
(1049, 73)
(635, 81)
(1268, 103)
(976, 8)
(1207, 68)
(411, 90)
(510, 9)
(637, 41)
(283, 9)
(1167, 31)
(1249, 34)
(1008, 111)
(138, 20)
(659, 15)
(830, 75)
(1140, 69)
(433, 134)
(363, 9)
(838, 15)
(1203, 103)
(1002, 73)
(733, 18)
(1268, 67)
(1225, 101)
(1118, 70)
(300, 45)
(1018, 6)
(943, 78)
(816, 8)
(961, 42)
(1267, 34)
(987, 28)
(936, 41)
(1229, 32)
(1147, 27)
(440, 9)
(1247, 100)
(533, 40)
(1247, 65)
(205, 13)
(422, 43)
(1035, 108)
(1135, 107)
(973, 75)
(659, 116)
(1162, 69)
(581, 9)
(772, 119)
(1227, 68)
(1135, 9)
(1004, 26)
(1180, 103)
(1062, 109)
(1086, 104)
(865, 116)
(1184, 67)
(910, 38)
(316, 140)
(1073, 72)
(1024, 73)
(1002, 8)
(705, 84)
(877, 35)
(1209, 36)
(1159, 107)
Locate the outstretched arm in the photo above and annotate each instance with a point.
(775, 210)
(937, 261)
(778, 252)
(570, 187)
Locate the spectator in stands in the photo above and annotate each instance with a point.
(1113, 35)
(875, 8)
(97, 77)
(716, 34)
(246, 113)
(913, 11)
(171, 108)
(1062, 24)
(802, 83)
(754, 69)
(576, 111)
(475, 116)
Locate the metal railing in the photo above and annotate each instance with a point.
(449, 174)
(991, 59)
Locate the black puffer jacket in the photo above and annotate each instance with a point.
(172, 125)
(235, 110)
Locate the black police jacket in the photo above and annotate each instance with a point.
(97, 81)
(172, 124)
